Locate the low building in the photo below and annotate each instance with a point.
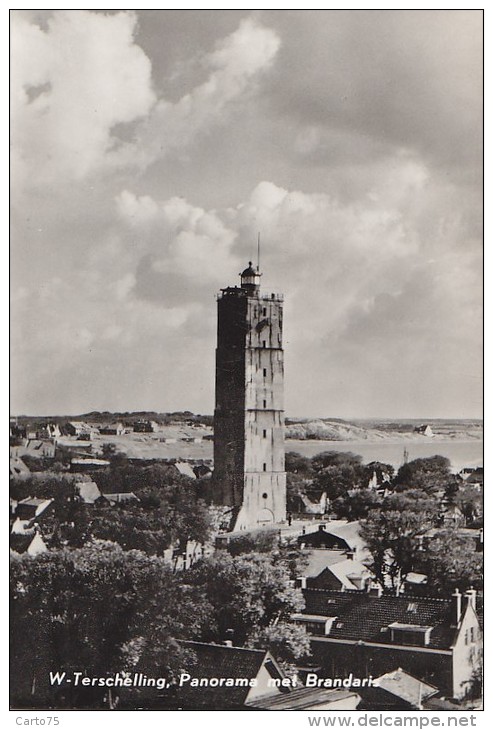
(397, 690)
(112, 429)
(437, 640)
(31, 508)
(343, 536)
(80, 429)
(119, 497)
(30, 544)
(87, 492)
(333, 570)
(82, 465)
(145, 426)
(425, 430)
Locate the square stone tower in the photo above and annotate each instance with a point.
(249, 471)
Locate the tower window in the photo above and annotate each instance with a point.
(265, 372)
(265, 404)
(264, 433)
(264, 495)
(264, 311)
(263, 343)
(265, 467)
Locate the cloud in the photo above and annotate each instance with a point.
(136, 200)
(72, 83)
(233, 67)
(76, 83)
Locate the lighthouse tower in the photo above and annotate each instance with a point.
(249, 471)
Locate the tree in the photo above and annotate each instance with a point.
(97, 610)
(297, 464)
(429, 474)
(287, 642)
(391, 539)
(264, 541)
(356, 504)
(248, 593)
(336, 472)
(450, 561)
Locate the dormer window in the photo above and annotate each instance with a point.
(409, 634)
(314, 623)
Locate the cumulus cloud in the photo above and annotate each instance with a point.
(76, 81)
(133, 207)
(71, 84)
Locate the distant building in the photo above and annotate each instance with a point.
(112, 429)
(425, 430)
(31, 544)
(119, 497)
(80, 429)
(87, 492)
(31, 507)
(83, 465)
(145, 426)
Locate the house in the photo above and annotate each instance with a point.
(397, 690)
(334, 570)
(30, 544)
(119, 497)
(472, 475)
(437, 640)
(31, 507)
(425, 430)
(112, 429)
(80, 429)
(451, 516)
(202, 471)
(87, 492)
(185, 469)
(145, 426)
(17, 467)
(83, 465)
(340, 536)
(246, 674)
(48, 431)
(308, 698)
(37, 448)
(226, 677)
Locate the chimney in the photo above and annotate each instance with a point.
(375, 589)
(471, 597)
(458, 605)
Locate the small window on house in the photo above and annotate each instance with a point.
(264, 311)
(264, 433)
(265, 372)
(264, 343)
(265, 466)
(412, 607)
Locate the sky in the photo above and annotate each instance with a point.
(148, 148)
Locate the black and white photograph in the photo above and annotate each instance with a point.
(246, 362)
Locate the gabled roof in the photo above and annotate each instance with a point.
(218, 661)
(405, 686)
(318, 559)
(302, 698)
(364, 617)
(117, 497)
